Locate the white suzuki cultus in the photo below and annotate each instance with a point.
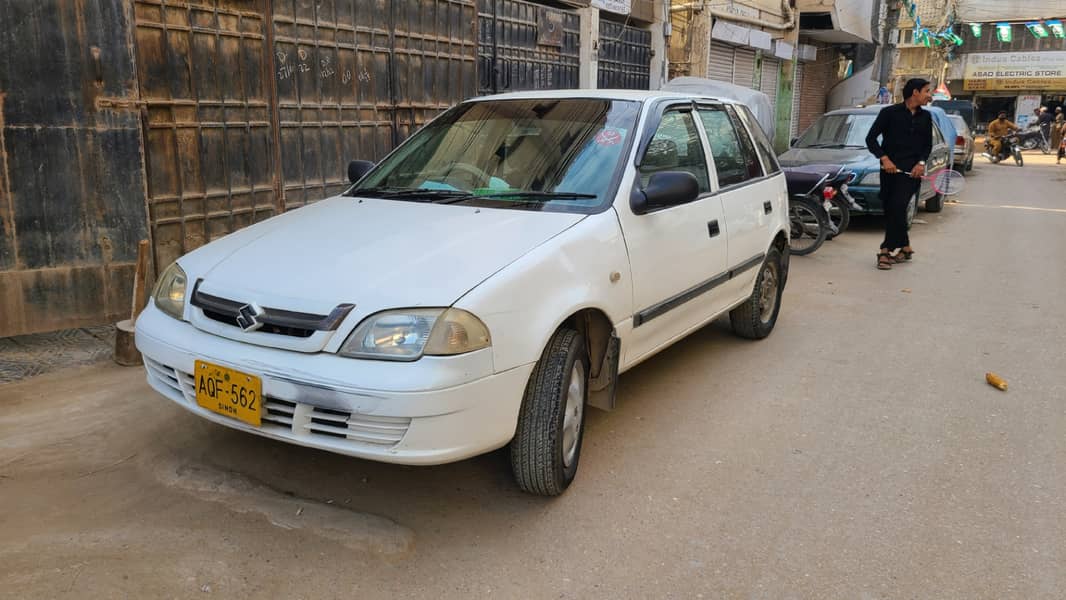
(484, 284)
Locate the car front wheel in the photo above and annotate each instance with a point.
(551, 425)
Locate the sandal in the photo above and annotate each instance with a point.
(884, 261)
(905, 254)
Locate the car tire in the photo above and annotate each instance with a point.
(551, 424)
(756, 317)
(935, 203)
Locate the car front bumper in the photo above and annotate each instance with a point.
(431, 411)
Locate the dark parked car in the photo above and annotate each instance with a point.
(839, 137)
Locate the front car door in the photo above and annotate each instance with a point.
(678, 253)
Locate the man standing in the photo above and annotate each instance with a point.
(1045, 119)
(906, 133)
(997, 130)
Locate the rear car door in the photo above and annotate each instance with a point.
(939, 158)
(750, 195)
(678, 253)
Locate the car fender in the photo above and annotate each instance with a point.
(586, 266)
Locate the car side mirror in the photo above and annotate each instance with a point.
(664, 189)
(358, 168)
(792, 142)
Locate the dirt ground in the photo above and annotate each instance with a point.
(856, 453)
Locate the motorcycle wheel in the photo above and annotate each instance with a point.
(1045, 147)
(809, 225)
(1018, 160)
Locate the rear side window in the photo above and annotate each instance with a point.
(676, 146)
(734, 156)
(762, 143)
(938, 138)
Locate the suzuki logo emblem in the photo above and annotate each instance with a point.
(248, 317)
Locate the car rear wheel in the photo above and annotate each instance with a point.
(756, 317)
(551, 425)
(935, 203)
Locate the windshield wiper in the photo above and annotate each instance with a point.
(426, 194)
(546, 196)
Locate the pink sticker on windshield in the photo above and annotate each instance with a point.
(608, 137)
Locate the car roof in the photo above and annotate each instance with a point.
(632, 95)
(873, 109)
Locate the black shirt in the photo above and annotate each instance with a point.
(907, 138)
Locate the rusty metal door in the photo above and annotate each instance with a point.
(209, 137)
(526, 46)
(355, 78)
(255, 107)
(71, 185)
(624, 57)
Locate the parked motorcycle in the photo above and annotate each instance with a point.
(819, 205)
(1011, 147)
(1033, 138)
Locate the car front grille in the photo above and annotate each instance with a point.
(296, 420)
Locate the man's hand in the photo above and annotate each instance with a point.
(918, 171)
(888, 165)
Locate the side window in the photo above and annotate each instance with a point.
(938, 138)
(734, 157)
(676, 146)
(762, 143)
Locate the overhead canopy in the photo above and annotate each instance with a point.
(986, 11)
(758, 102)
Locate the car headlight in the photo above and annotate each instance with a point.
(169, 293)
(409, 334)
(871, 179)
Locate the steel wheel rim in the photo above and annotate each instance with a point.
(768, 293)
(575, 408)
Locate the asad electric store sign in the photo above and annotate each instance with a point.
(1015, 71)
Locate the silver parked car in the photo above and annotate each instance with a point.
(963, 144)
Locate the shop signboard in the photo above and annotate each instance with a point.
(1015, 71)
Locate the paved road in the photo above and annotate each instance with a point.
(856, 453)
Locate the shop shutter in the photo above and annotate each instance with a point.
(744, 67)
(721, 64)
(768, 84)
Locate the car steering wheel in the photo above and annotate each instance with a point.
(468, 175)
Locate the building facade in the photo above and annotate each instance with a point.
(179, 121)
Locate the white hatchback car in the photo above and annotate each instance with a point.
(484, 283)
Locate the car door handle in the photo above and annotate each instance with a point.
(712, 228)
(768, 207)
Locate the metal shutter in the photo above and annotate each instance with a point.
(721, 63)
(744, 67)
(771, 67)
(797, 91)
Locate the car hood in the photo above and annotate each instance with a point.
(850, 157)
(374, 253)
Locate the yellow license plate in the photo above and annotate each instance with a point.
(229, 392)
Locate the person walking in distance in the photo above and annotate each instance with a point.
(1058, 130)
(906, 133)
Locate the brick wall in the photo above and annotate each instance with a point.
(819, 77)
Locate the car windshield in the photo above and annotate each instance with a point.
(838, 131)
(959, 124)
(533, 154)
